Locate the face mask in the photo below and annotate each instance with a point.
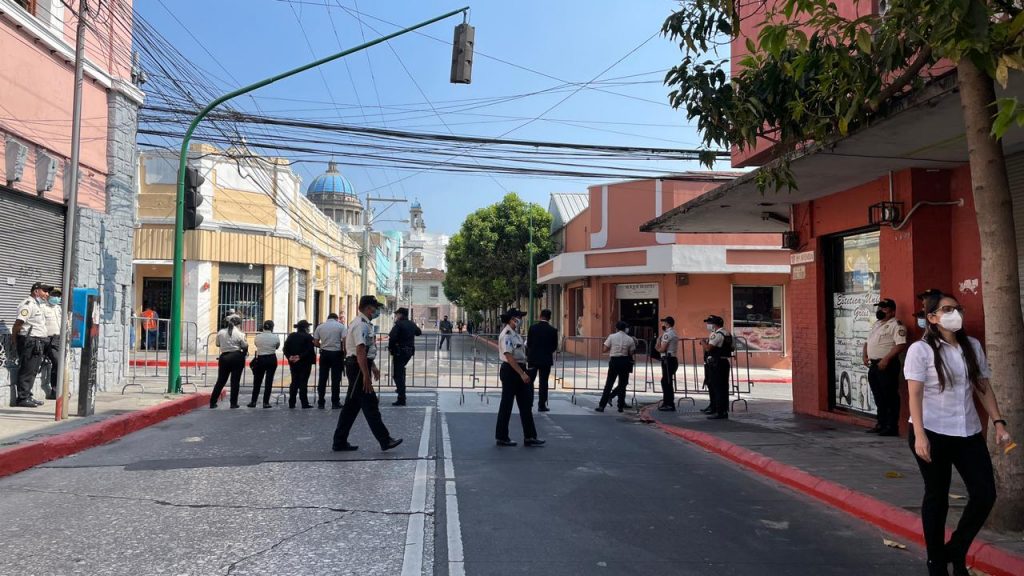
(880, 314)
(922, 323)
(664, 327)
(952, 321)
(54, 300)
(376, 314)
(710, 327)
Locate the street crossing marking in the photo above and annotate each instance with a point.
(456, 557)
(415, 534)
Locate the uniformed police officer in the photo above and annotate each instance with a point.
(52, 312)
(361, 346)
(515, 383)
(620, 347)
(717, 351)
(30, 340)
(668, 347)
(886, 341)
(329, 337)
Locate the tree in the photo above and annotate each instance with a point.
(813, 75)
(489, 258)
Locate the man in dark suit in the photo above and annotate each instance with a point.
(402, 345)
(541, 345)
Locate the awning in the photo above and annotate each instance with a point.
(927, 132)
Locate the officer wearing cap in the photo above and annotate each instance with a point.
(361, 345)
(668, 347)
(30, 340)
(717, 350)
(881, 354)
(329, 337)
(51, 310)
(515, 382)
(402, 345)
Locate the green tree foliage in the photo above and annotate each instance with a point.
(489, 258)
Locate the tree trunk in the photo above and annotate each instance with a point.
(1004, 328)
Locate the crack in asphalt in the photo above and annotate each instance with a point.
(280, 542)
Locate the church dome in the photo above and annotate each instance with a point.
(331, 182)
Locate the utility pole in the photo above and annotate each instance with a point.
(529, 320)
(174, 355)
(61, 408)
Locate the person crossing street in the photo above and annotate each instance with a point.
(402, 346)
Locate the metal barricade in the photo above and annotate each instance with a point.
(689, 379)
(147, 352)
(581, 361)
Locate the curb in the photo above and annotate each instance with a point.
(30, 454)
(983, 555)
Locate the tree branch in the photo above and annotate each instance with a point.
(902, 80)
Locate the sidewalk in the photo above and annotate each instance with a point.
(837, 463)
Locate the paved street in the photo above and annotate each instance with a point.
(259, 492)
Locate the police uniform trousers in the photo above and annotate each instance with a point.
(52, 355)
(357, 399)
(716, 378)
(30, 359)
(669, 365)
(332, 362)
(398, 363)
(300, 382)
(541, 372)
(885, 387)
(619, 368)
(514, 390)
(229, 364)
(263, 369)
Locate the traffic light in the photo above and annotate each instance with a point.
(462, 54)
(193, 180)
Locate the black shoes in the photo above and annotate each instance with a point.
(889, 432)
(321, 404)
(390, 443)
(874, 430)
(336, 406)
(28, 403)
(506, 443)
(621, 408)
(213, 406)
(668, 408)
(543, 408)
(936, 568)
(250, 405)
(399, 402)
(599, 409)
(51, 396)
(265, 405)
(718, 417)
(707, 410)
(533, 442)
(307, 406)
(346, 447)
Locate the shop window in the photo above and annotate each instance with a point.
(757, 318)
(240, 288)
(856, 285)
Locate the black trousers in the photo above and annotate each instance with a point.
(357, 400)
(30, 359)
(885, 387)
(263, 369)
(230, 364)
(541, 372)
(970, 457)
(332, 362)
(51, 354)
(716, 377)
(514, 390)
(445, 338)
(300, 382)
(398, 363)
(618, 369)
(669, 365)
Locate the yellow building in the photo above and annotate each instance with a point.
(263, 249)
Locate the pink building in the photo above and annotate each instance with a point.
(37, 44)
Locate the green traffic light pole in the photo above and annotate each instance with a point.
(174, 356)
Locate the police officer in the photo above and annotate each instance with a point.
(886, 341)
(361, 371)
(329, 337)
(541, 345)
(264, 365)
(52, 312)
(446, 334)
(30, 339)
(620, 347)
(233, 348)
(717, 350)
(515, 383)
(668, 347)
(402, 346)
(301, 354)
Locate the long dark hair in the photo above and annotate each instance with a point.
(930, 304)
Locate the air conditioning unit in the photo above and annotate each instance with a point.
(16, 155)
(790, 240)
(46, 172)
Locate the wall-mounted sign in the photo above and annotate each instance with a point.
(802, 257)
(636, 291)
(800, 272)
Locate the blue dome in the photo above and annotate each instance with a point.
(331, 182)
(416, 204)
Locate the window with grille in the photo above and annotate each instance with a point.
(434, 291)
(300, 295)
(241, 290)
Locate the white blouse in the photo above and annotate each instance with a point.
(951, 411)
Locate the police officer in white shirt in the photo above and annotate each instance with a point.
(620, 347)
(52, 312)
(329, 337)
(668, 347)
(718, 348)
(233, 347)
(361, 347)
(881, 354)
(945, 372)
(30, 340)
(264, 365)
(515, 383)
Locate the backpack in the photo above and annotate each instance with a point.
(728, 348)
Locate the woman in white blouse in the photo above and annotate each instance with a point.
(233, 348)
(945, 371)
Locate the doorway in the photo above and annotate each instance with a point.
(318, 297)
(641, 316)
(156, 292)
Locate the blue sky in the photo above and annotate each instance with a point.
(571, 40)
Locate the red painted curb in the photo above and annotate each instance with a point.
(983, 555)
(24, 456)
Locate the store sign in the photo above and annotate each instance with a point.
(636, 291)
(802, 257)
(800, 272)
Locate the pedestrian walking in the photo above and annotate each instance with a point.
(446, 334)
(718, 348)
(620, 347)
(541, 345)
(264, 364)
(150, 327)
(362, 371)
(301, 354)
(233, 348)
(881, 354)
(402, 346)
(29, 338)
(668, 348)
(515, 383)
(946, 371)
(329, 337)
(52, 312)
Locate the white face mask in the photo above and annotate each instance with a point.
(952, 321)
(710, 327)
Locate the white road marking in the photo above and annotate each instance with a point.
(415, 534)
(456, 558)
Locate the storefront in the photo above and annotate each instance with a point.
(31, 248)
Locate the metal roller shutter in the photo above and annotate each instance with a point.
(31, 248)
(1015, 173)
